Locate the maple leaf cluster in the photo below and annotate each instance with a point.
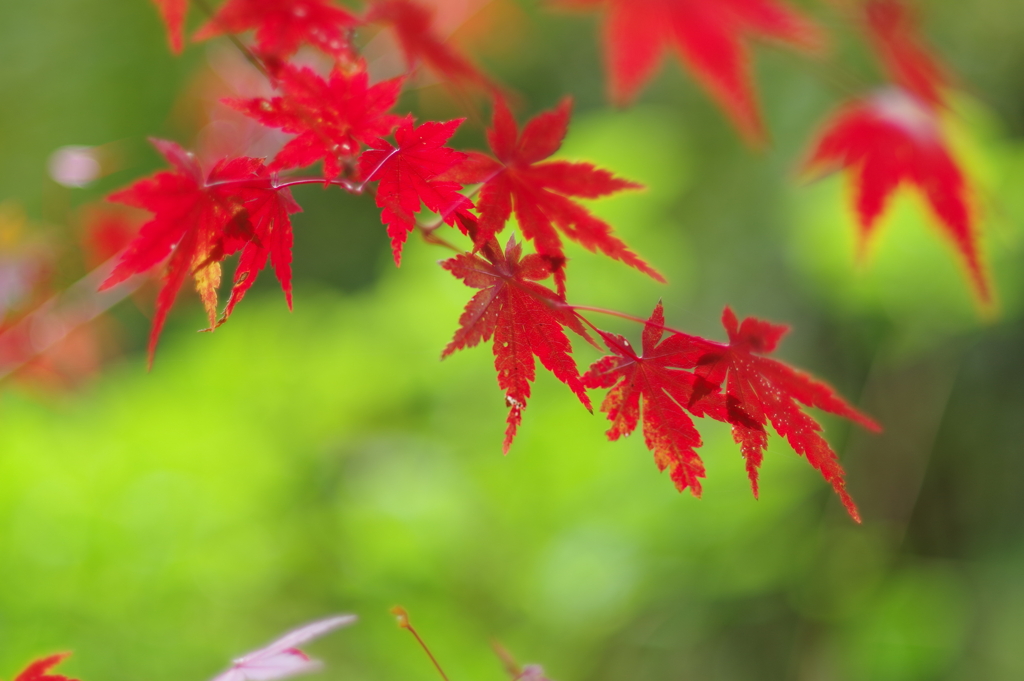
(346, 133)
(732, 383)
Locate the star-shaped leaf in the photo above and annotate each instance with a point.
(332, 117)
(409, 175)
(654, 382)
(525, 319)
(541, 193)
(759, 390)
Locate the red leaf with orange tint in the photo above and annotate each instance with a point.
(282, 26)
(525, 319)
(653, 383)
(709, 37)
(895, 138)
(332, 118)
(198, 222)
(759, 390)
(540, 193)
(409, 176)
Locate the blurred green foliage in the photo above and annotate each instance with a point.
(295, 465)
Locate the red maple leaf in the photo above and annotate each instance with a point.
(414, 29)
(199, 222)
(37, 671)
(282, 26)
(525, 319)
(759, 390)
(173, 13)
(892, 26)
(894, 138)
(409, 175)
(656, 377)
(539, 193)
(332, 118)
(707, 35)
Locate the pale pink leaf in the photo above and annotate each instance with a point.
(281, 659)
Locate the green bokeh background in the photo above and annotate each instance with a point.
(290, 466)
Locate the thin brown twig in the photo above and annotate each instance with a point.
(403, 621)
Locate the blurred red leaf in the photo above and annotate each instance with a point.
(708, 36)
(106, 231)
(413, 25)
(173, 14)
(282, 26)
(895, 138)
(892, 26)
(37, 671)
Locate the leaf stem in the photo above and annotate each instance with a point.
(645, 322)
(403, 621)
(347, 185)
